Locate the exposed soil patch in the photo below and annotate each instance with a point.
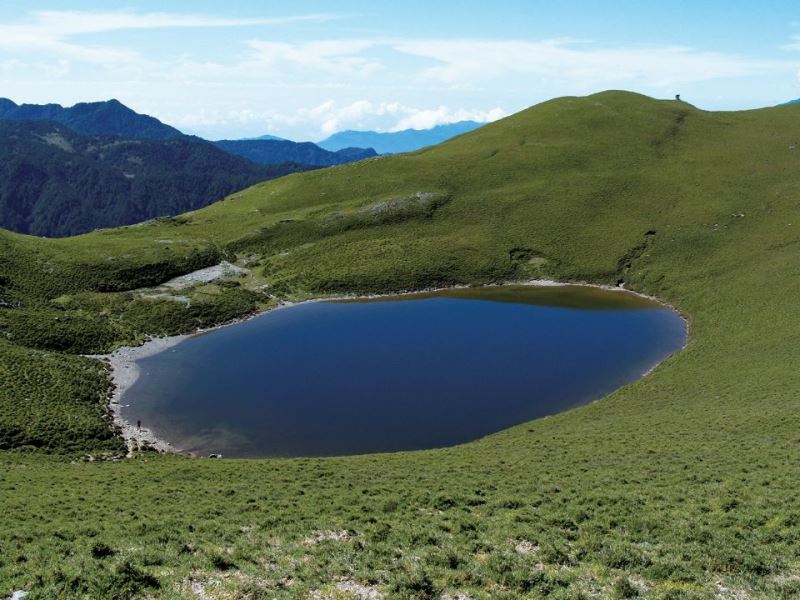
(223, 270)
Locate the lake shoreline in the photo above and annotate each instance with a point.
(124, 369)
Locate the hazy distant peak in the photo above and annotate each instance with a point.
(273, 151)
(407, 140)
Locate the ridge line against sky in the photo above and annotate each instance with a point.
(249, 68)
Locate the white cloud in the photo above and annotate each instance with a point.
(334, 118)
(329, 117)
(52, 31)
(457, 62)
(572, 65)
(793, 45)
(11, 65)
(64, 23)
(443, 115)
(467, 61)
(330, 56)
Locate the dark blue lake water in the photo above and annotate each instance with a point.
(422, 371)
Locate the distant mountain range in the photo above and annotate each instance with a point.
(65, 171)
(267, 137)
(69, 170)
(114, 118)
(268, 150)
(57, 182)
(407, 140)
(93, 118)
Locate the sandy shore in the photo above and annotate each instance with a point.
(125, 371)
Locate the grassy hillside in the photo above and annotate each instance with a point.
(682, 485)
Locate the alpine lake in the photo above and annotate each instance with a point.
(406, 372)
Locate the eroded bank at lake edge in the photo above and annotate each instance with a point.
(274, 380)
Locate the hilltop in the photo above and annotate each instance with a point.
(681, 485)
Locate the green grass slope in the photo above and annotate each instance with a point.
(682, 485)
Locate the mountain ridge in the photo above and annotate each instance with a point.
(407, 140)
(109, 117)
(112, 117)
(268, 151)
(43, 192)
(57, 182)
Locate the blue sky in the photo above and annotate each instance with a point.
(306, 69)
